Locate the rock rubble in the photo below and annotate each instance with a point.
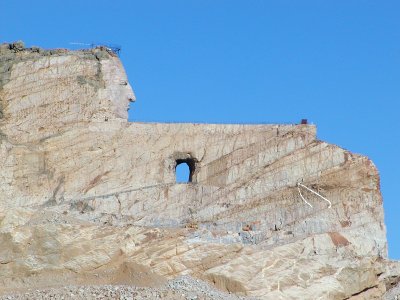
(181, 288)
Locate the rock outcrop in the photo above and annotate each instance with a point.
(89, 198)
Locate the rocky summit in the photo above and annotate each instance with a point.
(90, 206)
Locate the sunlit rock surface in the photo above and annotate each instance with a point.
(89, 198)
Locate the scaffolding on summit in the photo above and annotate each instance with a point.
(110, 47)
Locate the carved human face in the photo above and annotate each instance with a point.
(118, 89)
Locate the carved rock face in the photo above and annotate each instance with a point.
(86, 196)
(49, 91)
(117, 87)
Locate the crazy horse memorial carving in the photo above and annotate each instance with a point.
(88, 198)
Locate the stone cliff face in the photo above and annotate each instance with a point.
(86, 195)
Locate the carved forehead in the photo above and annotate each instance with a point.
(113, 71)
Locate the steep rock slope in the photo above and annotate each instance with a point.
(88, 198)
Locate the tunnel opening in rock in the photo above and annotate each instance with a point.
(184, 170)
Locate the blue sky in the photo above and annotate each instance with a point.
(336, 63)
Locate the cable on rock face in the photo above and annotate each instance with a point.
(312, 191)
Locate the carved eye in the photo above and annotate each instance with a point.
(123, 82)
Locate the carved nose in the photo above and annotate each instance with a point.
(131, 94)
(131, 97)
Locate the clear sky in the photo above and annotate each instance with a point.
(336, 63)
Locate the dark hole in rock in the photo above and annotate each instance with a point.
(184, 170)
